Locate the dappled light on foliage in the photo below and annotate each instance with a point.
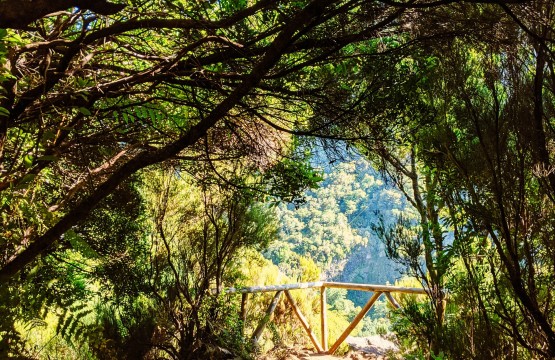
(154, 153)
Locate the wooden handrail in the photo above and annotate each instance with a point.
(375, 288)
(270, 288)
(328, 284)
(322, 347)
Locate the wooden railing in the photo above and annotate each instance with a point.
(320, 346)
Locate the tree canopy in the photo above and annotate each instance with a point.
(452, 100)
(91, 99)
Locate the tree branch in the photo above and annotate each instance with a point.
(18, 14)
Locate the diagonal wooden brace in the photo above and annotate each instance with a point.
(354, 323)
(303, 321)
(266, 319)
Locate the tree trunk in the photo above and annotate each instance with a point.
(18, 14)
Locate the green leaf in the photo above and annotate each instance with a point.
(80, 245)
(85, 111)
(48, 135)
(27, 179)
(28, 161)
(47, 158)
(141, 112)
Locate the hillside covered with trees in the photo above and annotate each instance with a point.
(334, 225)
(155, 152)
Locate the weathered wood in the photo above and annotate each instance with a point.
(377, 289)
(319, 284)
(323, 318)
(244, 302)
(392, 300)
(303, 321)
(266, 319)
(374, 288)
(354, 323)
(271, 288)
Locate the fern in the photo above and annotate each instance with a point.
(71, 326)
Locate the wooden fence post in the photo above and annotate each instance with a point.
(323, 318)
(244, 302)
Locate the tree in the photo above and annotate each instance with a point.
(87, 102)
(97, 93)
(197, 236)
(509, 210)
(91, 99)
(487, 126)
(18, 15)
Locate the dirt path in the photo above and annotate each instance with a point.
(367, 348)
(376, 345)
(322, 357)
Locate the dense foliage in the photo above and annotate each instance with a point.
(474, 159)
(139, 140)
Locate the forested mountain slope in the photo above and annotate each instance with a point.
(334, 226)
